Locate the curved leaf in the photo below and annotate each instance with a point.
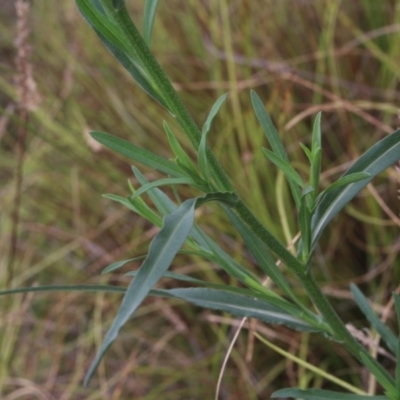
(374, 161)
(162, 251)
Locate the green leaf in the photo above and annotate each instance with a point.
(346, 180)
(397, 372)
(162, 251)
(183, 160)
(112, 38)
(227, 198)
(315, 170)
(162, 182)
(261, 253)
(374, 161)
(148, 20)
(318, 394)
(386, 334)
(202, 151)
(307, 152)
(241, 306)
(305, 228)
(316, 136)
(273, 138)
(381, 375)
(119, 264)
(285, 167)
(138, 206)
(138, 154)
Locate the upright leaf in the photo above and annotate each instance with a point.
(148, 20)
(397, 372)
(202, 151)
(162, 251)
(379, 157)
(273, 138)
(386, 334)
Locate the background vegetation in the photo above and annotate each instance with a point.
(301, 57)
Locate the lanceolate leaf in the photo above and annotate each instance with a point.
(374, 161)
(346, 180)
(381, 375)
(163, 182)
(397, 372)
(138, 154)
(162, 251)
(285, 167)
(273, 138)
(318, 394)
(386, 334)
(148, 20)
(261, 253)
(202, 151)
(182, 159)
(138, 206)
(114, 41)
(241, 306)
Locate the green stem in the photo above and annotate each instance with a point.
(162, 84)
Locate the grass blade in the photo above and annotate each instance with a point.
(138, 154)
(162, 251)
(374, 161)
(318, 394)
(386, 334)
(148, 19)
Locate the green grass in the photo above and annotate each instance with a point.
(68, 233)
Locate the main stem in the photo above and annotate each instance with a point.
(159, 79)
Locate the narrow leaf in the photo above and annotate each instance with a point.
(397, 372)
(268, 127)
(183, 160)
(148, 20)
(202, 151)
(261, 253)
(138, 154)
(305, 228)
(162, 251)
(381, 375)
(307, 152)
(346, 180)
(163, 182)
(386, 334)
(273, 138)
(285, 167)
(316, 136)
(115, 43)
(119, 264)
(241, 306)
(374, 161)
(318, 394)
(227, 198)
